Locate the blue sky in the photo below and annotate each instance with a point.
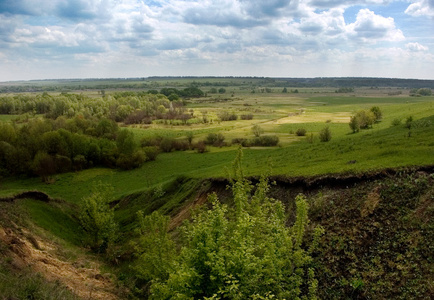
(45, 39)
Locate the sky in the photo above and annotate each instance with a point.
(62, 39)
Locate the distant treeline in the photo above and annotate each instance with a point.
(129, 107)
(160, 82)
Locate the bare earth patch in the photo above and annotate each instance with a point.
(25, 250)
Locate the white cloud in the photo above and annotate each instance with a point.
(421, 8)
(416, 47)
(330, 22)
(370, 27)
(346, 3)
(226, 37)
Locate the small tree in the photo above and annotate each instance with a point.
(257, 130)
(409, 122)
(190, 136)
(377, 113)
(243, 251)
(44, 165)
(354, 124)
(155, 248)
(97, 218)
(300, 132)
(325, 134)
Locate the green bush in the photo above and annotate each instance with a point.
(325, 134)
(396, 122)
(246, 116)
(97, 217)
(300, 132)
(201, 147)
(215, 139)
(244, 251)
(227, 116)
(151, 152)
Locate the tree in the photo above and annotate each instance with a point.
(156, 251)
(125, 142)
(364, 119)
(377, 113)
(354, 124)
(97, 217)
(44, 165)
(424, 92)
(325, 134)
(257, 130)
(245, 251)
(222, 90)
(190, 136)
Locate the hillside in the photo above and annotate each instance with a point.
(378, 229)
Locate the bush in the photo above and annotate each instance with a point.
(424, 92)
(150, 141)
(265, 141)
(167, 144)
(238, 141)
(97, 217)
(363, 119)
(409, 122)
(396, 122)
(227, 116)
(325, 134)
(310, 138)
(215, 139)
(257, 130)
(201, 147)
(129, 162)
(246, 117)
(377, 113)
(227, 252)
(151, 152)
(301, 132)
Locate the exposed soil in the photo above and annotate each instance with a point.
(25, 250)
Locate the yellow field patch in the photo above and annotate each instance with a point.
(340, 117)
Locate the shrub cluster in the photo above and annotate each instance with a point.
(364, 119)
(165, 144)
(227, 116)
(46, 147)
(261, 141)
(246, 116)
(240, 251)
(421, 92)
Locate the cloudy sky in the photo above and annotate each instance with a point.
(41, 39)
